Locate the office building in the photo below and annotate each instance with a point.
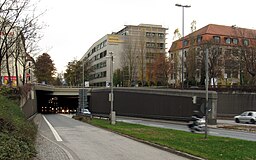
(134, 50)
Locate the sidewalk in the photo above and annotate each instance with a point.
(46, 148)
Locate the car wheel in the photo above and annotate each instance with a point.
(237, 120)
(252, 121)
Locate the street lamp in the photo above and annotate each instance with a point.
(182, 55)
(206, 91)
(111, 96)
(83, 86)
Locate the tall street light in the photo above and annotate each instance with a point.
(83, 85)
(111, 97)
(182, 55)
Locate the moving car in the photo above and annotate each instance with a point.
(246, 117)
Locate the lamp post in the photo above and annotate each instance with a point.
(111, 96)
(83, 85)
(182, 54)
(206, 91)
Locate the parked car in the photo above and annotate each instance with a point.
(246, 117)
(86, 112)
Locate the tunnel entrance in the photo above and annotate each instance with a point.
(47, 104)
(58, 104)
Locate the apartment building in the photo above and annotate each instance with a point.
(134, 50)
(229, 47)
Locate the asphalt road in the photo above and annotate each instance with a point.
(87, 142)
(183, 127)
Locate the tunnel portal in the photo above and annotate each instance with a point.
(47, 103)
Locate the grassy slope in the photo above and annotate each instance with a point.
(214, 148)
(17, 135)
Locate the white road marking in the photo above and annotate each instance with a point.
(55, 133)
(68, 154)
(214, 132)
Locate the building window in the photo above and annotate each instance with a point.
(227, 40)
(147, 34)
(199, 39)
(235, 41)
(246, 42)
(216, 39)
(160, 45)
(172, 56)
(161, 35)
(185, 42)
(150, 34)
(150, 45)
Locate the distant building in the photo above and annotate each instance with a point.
(134, 50)
(99, 53)
(29, 70)
(227, 46)
(14, 62)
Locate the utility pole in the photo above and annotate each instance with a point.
(83, 85)
(112, 113)
(206, 91)
(182, 54)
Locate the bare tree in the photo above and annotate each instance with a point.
(74, 72)
(161, 70)
(18, 28)
(141, 56)
(193, 26)
(129, 60)
(176, 34)
(247, 51)
(192, 61)
(214, 60)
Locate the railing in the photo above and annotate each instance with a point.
(218, 88)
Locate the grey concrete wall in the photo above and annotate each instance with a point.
(152, 103)
(230, 104)
(29, 108)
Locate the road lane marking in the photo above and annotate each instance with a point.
(67, 152)
(55, 133)
(213, 132)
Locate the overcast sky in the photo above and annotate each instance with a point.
(73, 26)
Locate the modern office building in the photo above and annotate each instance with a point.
(99, 56)
(134, 50)
(230, 49)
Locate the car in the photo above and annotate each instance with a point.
(246, 117)
(85, 111)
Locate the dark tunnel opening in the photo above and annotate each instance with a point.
(47, 103)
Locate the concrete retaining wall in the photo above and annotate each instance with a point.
(152, 103)
(230, 104)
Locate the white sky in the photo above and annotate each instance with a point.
(73, 26)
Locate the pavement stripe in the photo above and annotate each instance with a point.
(55, 133)
(67, 153)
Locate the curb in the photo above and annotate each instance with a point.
(183, 154)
